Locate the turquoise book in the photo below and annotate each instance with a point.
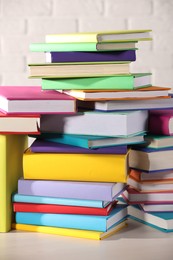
(84, 222)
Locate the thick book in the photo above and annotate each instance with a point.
(95, 142)
(107, 100)
(71, 190)
(151, 160)
(158, 141)
(86, 222)
(43, 146)
(11, 152)
(160, 122)
(75, 56)
(78, 69)
(71, 232)
(159, 220)
(16, 197)
(101, 36)
(117, 82)
(111, 124)
(33, 100)
(19, 123)
(84, 46)
(135, 197)
(59, 166)
(62, 209)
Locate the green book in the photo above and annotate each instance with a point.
(129, 82)
(84, 46)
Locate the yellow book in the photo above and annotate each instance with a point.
(75, 167)
(11, 152)
(96, 235)
(103, 36)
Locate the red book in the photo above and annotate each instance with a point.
(160, 122)
(33, 100)
(62, 209)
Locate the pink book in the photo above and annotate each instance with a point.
(160, 122)
(35, 100)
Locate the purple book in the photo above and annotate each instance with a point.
(71, 189)
(129, 55)
(42, 146)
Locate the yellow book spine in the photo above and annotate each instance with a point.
(96, 235)
(73, 37)
(75, 167)
(11, 153)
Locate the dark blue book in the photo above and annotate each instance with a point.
(129, 55)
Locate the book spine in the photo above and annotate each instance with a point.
(159, 125)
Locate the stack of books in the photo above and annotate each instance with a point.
(150, 181)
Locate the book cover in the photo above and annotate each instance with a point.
(102, 36)
(43, 146)
(62, 209)
(59, 201)
(71, 189)
(79, 233)
(75, 56)
(117, 82)
(33, 100)
(86, 222)
(113, 124)
(78, 69)
(11, 152)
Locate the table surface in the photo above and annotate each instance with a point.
(136, 241)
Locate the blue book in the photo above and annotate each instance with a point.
(85, 222)
(59, 201)
(159, 220)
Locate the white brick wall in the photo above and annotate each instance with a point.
(25, 21)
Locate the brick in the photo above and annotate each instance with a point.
(25, 8)
(78, 8)
(163, 8)
(163, 77)
(12, 26)
(19, 79)
(47, 26)
(99, 24)
(163, 42)
(12, 63)
(126, 8)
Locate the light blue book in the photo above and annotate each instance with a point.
(59, 201)
(162, 221)
(85, 222)
(94, 141)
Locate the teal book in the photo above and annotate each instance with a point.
(84, 222)
(162, 221)
(59, 201)
(117, 82)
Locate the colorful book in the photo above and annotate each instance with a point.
(79, 233)
(33, 100)
(151, 160)
(43, 146)
(159, 220)
(113, 124)
(11, 152)
(157, 207)
(86, 222)
(118, 82)
(71, 190)
(78, 69)
(156, 176)
(111, 99)
(19, 123)
(160, 122)
(102, 36)
(59, 201)
(94, 141)
(75, 56)
(84, 46)
(59, 166)
(62, 209)
(132, 196)
(159, 141)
